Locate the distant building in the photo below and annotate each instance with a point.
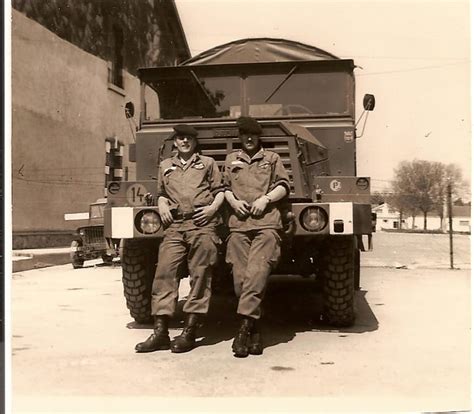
(74, 65)
(433, 222)
(462, 218)
(388, 218)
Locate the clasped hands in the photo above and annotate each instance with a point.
(201, 217)
(256, 209)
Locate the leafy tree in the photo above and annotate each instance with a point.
(405, 204)
(450, 174)
(377, 198)
(421, 186)
(150, 38)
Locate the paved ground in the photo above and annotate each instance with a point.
(409, 350)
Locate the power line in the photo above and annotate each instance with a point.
(412, 69)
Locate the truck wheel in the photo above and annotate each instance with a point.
(338, 270)
(138, 259)
(76, 260)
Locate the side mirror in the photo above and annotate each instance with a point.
(369, 102)
(129, 110)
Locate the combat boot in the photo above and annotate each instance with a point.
(240, 344)
(186, 340)
(159, 339)
(255, 342)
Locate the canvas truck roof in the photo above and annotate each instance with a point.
(259, 50)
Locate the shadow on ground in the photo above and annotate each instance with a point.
(292, 305)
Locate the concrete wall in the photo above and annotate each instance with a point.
(62, 110)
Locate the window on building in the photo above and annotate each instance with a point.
(116, 48)
(464, 222)
(395, 224)
(385, 221)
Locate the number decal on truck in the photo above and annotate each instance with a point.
(136, 195)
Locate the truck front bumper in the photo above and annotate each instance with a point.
(125, 222)
(339, 218)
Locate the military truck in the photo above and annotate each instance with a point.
(89, 242)
(304, 98)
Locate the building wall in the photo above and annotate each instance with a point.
(62, 111)
(432, 223)
(462, 224)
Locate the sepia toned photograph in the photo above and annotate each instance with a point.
(238, 205)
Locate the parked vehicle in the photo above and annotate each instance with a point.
(304, 98)
(89, 242)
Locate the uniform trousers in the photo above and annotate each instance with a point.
(252, 255)
(196, 248)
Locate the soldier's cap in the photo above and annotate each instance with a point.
(248, 125)
(185, 130)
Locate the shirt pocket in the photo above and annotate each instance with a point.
(263, 173)
(235, 171)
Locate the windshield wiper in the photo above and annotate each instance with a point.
(206, 92)
(288, 76)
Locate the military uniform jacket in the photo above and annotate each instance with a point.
(189, 186)
(250, 178)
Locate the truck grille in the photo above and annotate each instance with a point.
(218, 148)
(94, 235)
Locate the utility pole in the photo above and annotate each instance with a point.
(450, 220)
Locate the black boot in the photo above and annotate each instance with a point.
(159, 339)
(185, 342)
(255, 343)
(240, 344)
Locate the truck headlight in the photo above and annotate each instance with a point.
(150, 222)
(314, 218)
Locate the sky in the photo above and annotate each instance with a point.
(413, 56)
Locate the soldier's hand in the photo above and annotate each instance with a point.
(259, 206)
(202, 215)
(165, 212)
(241, 207)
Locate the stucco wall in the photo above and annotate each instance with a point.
(62, 110)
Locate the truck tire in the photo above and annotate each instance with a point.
(76, 260)
(338, 271)
(138, 259)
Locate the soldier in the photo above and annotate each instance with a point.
(190, 193)
(255, 179)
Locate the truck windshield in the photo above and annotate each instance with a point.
(260, 95)
(97, 210)
(301, 94)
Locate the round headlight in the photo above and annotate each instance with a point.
(314, 218)
(150, 222)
